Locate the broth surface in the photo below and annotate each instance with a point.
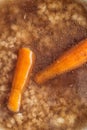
(49, 28)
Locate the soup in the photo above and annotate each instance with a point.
(48, 28)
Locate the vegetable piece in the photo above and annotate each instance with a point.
(23, 68)
(70, 60)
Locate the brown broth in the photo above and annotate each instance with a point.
(49, 28)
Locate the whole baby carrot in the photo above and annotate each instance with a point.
(70, 60)
(23, 68)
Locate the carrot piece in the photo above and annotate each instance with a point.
(23, 68)
(70, 60)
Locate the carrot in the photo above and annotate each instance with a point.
(70, 60)
(23, 69)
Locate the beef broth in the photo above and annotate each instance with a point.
(49, 28)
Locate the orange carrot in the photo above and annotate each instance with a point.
(70, 60)
(23, 68)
